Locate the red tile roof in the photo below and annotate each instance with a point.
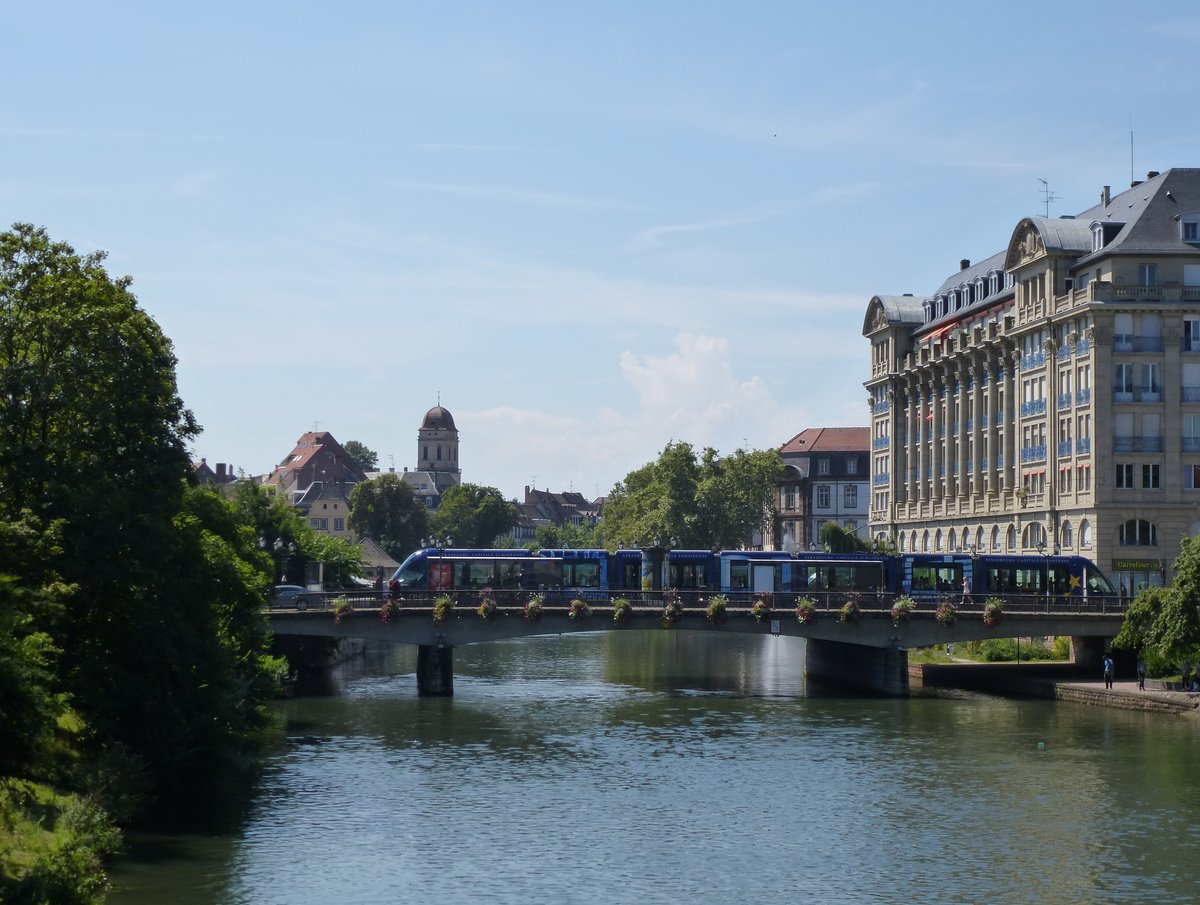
(829, 439)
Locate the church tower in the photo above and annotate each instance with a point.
(437, 447)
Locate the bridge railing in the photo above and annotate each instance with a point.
(1014, 603)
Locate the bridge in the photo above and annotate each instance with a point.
(864, 646)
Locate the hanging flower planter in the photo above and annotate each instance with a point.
(671, 613)
(806, 611)
(487, 609)
(849, 612)
(993, 612)
(761, 609)
(578, 610)
(342, 610)
(622, 611)
(388, 611)
(533, 608)
(443, 608)
(716, 610)
(902, 609)
(946, 615)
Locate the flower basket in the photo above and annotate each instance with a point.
(806, 611)
(716, 611)
(849, 612)
(902, 609)
(671, 613)
(622, 611)
(388, 611)
(761, 609)
(946, 615)
(578, 610)
(533, 608)
(342, 610)
(993, 612)
(443, 608)
(487, 609)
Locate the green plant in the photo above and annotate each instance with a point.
(716, 610)
(945, 614)
(806, 611)
(760, 609)
(487, 609)
(622, 611)
(993, 611)
(388, 611)
(533, 608)
(443, 608)
(902, 609)
(578, 610)
(342, 610)
(849, 611)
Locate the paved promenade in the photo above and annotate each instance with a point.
(1125, 695)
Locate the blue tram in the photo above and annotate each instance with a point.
(738, 572)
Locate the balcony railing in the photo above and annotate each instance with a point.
(1064, 400)
(1146, 394)
(1138, 444)
(1033, 454)
(881, 443)
(1125, 395)
(1064, 448)
(1036, 360)
(1191, 444)
(1084, 396)
(1191, 394)
(880, 407)
(1083, 445)
(1036, 407)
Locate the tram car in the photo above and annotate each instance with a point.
(740, 573)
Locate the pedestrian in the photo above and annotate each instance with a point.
(1108, 671)
(966, 597)
(1141, 671)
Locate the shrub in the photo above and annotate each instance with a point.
(533, 608)
(993, 611)
(342, 610)
(579, 610)
(945, 614)
(622, 611)
(806, 611)
(443, 608)
(761, 609)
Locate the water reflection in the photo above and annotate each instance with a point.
(658, 767)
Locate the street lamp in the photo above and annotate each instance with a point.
(1046, 553)
(280, 553)
(440, 543)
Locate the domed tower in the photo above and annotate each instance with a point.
(437, 445)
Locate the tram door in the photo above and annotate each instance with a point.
(764, 578)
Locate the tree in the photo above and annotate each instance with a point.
(838, 539)
(385, 510)
(473, 516)
(568, 537)
(161, 645)
(1164, 623)
(693, 503)
(366, 458)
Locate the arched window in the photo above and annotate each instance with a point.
(979, 539)
(1012, 537)
(913, 545)
(903, 542)
(1034, 535)
(951, 545)
(937, 540)
(925, 542)
(996, 537)
(1138, 532)
(1068, 537)
(1085, 533)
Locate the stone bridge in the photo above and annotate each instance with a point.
(868, 650)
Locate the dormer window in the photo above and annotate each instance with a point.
(1103, 232)
(928, 305)
(1189, 227)
(1097, 236)
(979, 293)
(993, 282)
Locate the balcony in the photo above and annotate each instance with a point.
(1036, 360)
(1123, 395)
(1036, 407)
(1191, 444)
(1191, 394)
(1083, 347)
(1149, 394)
(1064, 400)
(1084, 396)
(880, 408)
(1064, 449)
(1033, 454)
(881, 479)
(1138, 444)
(1083, 446)
(881, 443)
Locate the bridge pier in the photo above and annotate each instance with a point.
(884, 671)
(435, 671)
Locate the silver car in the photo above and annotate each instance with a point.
(289, 595)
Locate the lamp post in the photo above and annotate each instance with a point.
(440, 543)
(280, 553)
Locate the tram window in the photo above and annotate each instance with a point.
(941, 577)
(581, 574)
(687, 575)
(739, 575)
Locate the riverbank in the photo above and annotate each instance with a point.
(1055, 681)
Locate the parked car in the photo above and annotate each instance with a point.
(294, 595)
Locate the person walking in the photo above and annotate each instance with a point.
(966, 589)
(1108, 671)
(1141, 671)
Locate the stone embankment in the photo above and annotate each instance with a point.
(1055, 681)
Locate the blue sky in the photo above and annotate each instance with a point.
(592, 229)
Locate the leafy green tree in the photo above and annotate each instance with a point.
(1164, 623)
(473, 516)
(160, 656)
(367, 459)
(837, 538)
(386, 511)
(694, 503)
(568, 537)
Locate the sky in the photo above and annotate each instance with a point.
(587, 230)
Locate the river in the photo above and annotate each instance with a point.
(667, 767)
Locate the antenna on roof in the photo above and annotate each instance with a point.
(1049, 195)
(1131, 156)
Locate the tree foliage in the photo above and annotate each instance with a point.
(691, 502)
(568, 537)
(473, 516)
(367, 459)
(138, 605)
(386, 511)
(1164, 623)
(837, 538)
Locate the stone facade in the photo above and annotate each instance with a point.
(1048, 398)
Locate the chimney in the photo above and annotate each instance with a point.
(1152, 174)
(964, 263)
(1106, 196)
(220, 471)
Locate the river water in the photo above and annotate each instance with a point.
(665, 767)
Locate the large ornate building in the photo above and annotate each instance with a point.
(1048, 398)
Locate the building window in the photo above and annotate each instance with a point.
(1138, 532)
(319, 524)
(1191, 477)
(1085, 533)
(1125, 476)
(850, 496)
(1191, 231)
(1067, 537)
(1191, 336)
(852, 465)
(822, 496)
(339, 524)
(822, 466)
(1147, 274)
(1151, 477)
